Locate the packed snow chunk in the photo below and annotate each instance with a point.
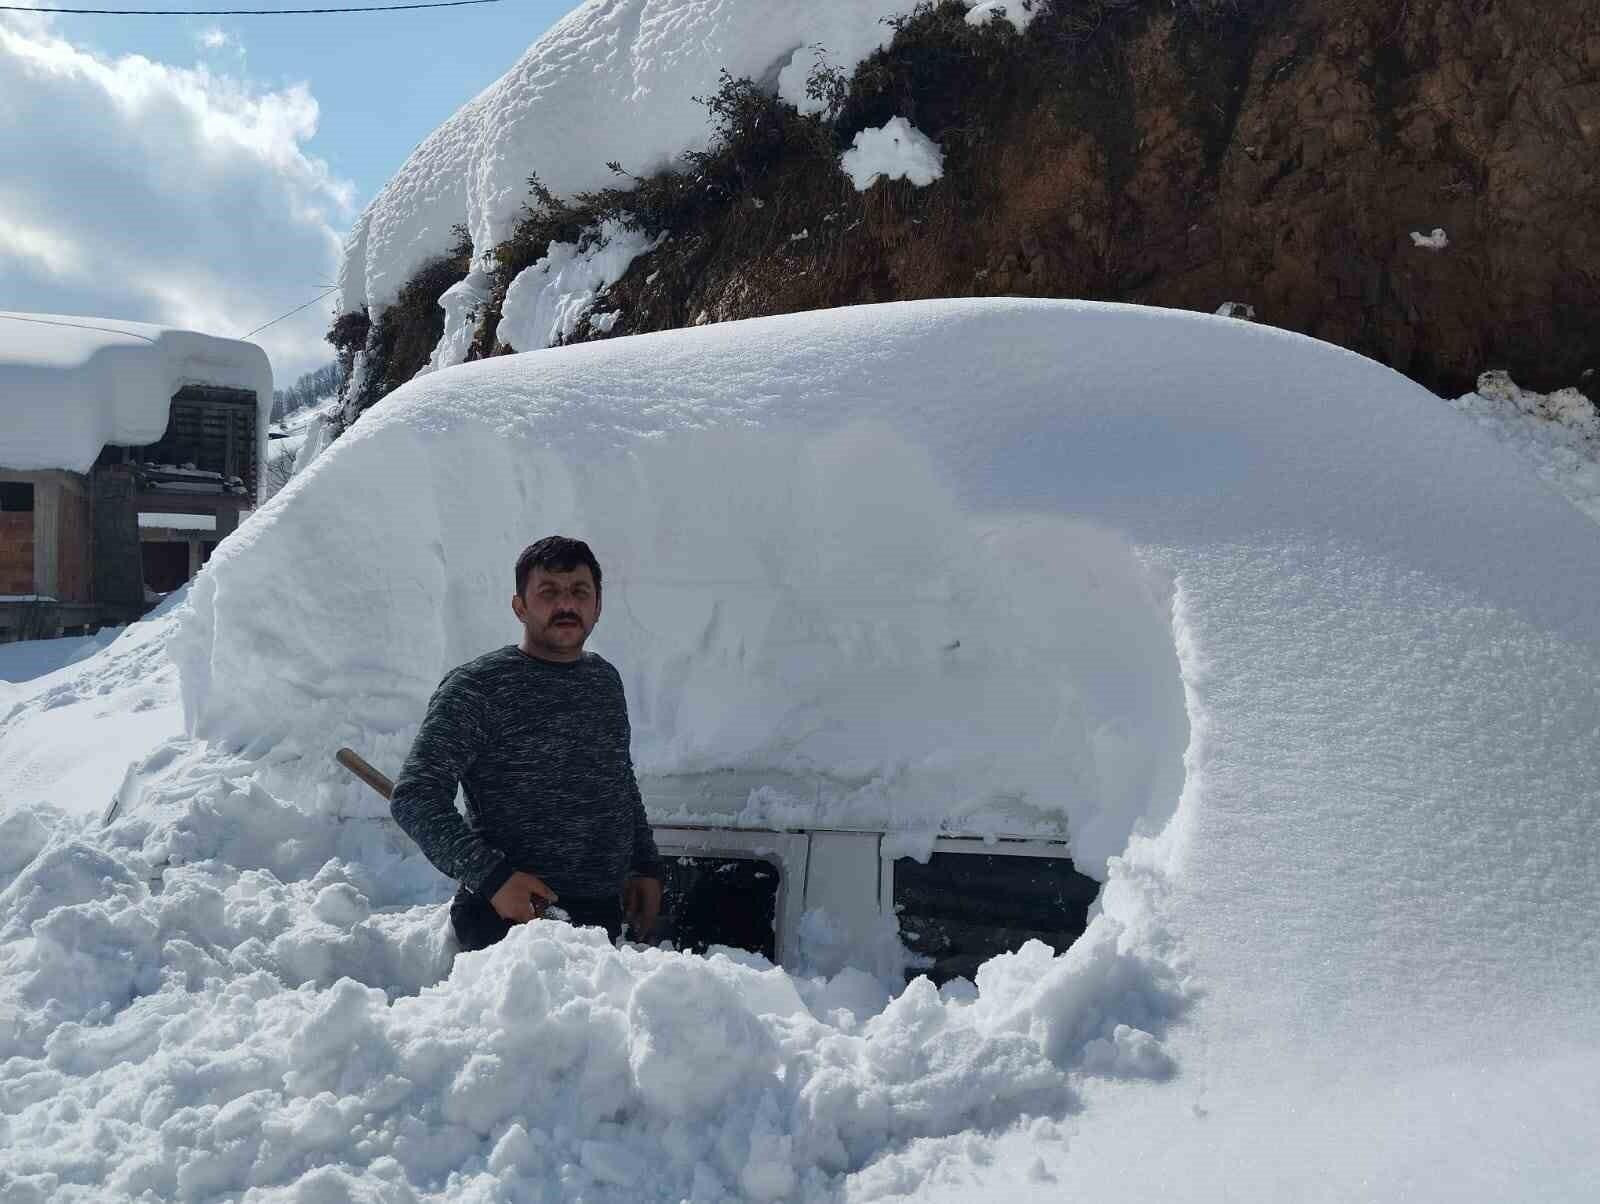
(1557, 434)
(548, 302)
(1565, 407)
(548, 1057)
(1237, 309)
(896, 150)
(614, 80)
(23, 833)
(695, 1042)
(1019, 12)
(1437, 240)
(1063, 1002)
(461, 303)
(72, 385)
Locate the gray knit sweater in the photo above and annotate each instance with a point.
(541, 750)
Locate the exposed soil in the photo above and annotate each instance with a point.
(1278, 154)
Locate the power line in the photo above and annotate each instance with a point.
(313, 300)
(238, 12)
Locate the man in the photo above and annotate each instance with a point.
(537, 734)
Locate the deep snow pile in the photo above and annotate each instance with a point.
(71, 385)
(1304, 660)
(623, 72)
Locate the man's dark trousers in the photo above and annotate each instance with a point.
(478, 925)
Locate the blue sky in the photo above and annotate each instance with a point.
(202, 172)
(382, 81)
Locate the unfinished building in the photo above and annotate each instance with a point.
(127, 453)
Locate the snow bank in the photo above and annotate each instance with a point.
(897, 151)
(548, 302)
(625, 72)
(1306, 659)
(72, 385)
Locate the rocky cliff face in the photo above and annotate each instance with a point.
(1295, 155)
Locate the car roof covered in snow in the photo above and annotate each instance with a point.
(70, 385)
(947, 570)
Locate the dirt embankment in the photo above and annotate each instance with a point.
(1294, 155)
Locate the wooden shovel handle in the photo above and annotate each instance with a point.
(353, 761)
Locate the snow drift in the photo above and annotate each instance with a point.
(1302, 659)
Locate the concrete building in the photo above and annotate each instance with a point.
(127, 453)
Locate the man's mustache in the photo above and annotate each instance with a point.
(554, 619)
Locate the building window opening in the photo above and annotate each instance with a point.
(960, 909)
(16, 497)
(165, 565)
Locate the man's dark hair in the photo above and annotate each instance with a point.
(556, 554)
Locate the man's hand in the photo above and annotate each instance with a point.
(641, 904)
(524, 897)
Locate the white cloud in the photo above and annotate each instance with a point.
(184, 196)
(214, 37)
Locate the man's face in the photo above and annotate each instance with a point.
(558, 610)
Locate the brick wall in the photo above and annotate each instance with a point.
(16, 553)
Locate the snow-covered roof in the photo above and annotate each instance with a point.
(71, 385)
(614, 79)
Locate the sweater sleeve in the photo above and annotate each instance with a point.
(646, 859)
(453, 734)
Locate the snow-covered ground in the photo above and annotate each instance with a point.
(28, 659)
(75, 712)
(1306, 663)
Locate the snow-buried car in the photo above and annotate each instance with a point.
(1289, 656)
